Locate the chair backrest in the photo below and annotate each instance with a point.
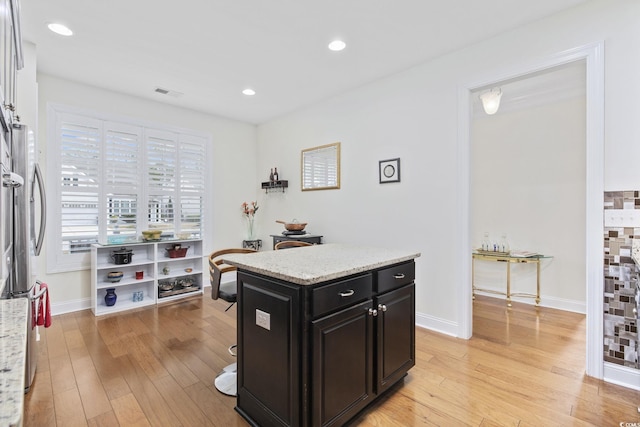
(217, 267)
(283, 244)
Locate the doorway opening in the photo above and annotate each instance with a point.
(592, 58)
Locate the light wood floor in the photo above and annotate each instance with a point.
(523, 367)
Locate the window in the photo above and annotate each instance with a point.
(116, 178)
(321, 167)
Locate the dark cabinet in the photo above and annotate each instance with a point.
(269, 353)
(371, 341)
(309, 238)
(317, 355)
(342, 359)
(395, 336)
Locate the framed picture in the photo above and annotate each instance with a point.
(389, 170)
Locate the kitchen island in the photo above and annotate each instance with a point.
(322, 331)
(13, 355)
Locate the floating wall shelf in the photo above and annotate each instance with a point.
(275, 185)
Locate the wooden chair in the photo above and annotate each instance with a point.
(226, 381)
(227, 291)
(284, 244)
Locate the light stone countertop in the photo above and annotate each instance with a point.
(309, 265)
(13, 354)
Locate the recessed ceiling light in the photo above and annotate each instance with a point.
(337, 45)
(249, 92)
(169, 92)
(63, 30)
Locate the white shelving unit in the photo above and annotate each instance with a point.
(177, 268)
(151, 258)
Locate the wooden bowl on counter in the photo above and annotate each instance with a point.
(293, 226)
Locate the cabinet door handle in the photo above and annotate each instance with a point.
(382, 307)
(373, 312)
(398, 276)
(348, 293)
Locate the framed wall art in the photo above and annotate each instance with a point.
(389, 171)
(320, 167)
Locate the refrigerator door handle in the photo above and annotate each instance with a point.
(43, 207)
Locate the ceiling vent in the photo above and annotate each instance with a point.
(173, 93)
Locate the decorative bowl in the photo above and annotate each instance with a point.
(293, 225)
(177, 251)
(186, 282)
(151, 234)
(166, 286)
(114, 276)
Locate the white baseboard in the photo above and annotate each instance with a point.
(70, 306)
(622, 375)
(436, 324)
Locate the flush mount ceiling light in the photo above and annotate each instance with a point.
(63, 30)
(337, 45)
(491, 100)
(249, 92)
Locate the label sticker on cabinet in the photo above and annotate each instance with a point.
(263, 319)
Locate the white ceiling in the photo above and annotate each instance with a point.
(209, 50)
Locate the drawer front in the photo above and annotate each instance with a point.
(395, 276)
(341, 294)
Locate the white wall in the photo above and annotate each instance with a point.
(528, 181)
(232, 166)
(413, 115)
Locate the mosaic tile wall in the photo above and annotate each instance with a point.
(620, 284)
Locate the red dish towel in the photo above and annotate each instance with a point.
(44, 308)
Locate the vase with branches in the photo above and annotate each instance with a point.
(249, 211)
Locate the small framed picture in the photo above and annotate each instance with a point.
(389, 170)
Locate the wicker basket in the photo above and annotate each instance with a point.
(177, 253)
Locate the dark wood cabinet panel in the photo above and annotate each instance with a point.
(269, 380)
(396, 349)
(342, 360)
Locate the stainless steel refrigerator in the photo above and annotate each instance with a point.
(24, 184)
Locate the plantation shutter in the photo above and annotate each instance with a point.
(192, 182)
(121, 179)
(162, 179)
(80, 141)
